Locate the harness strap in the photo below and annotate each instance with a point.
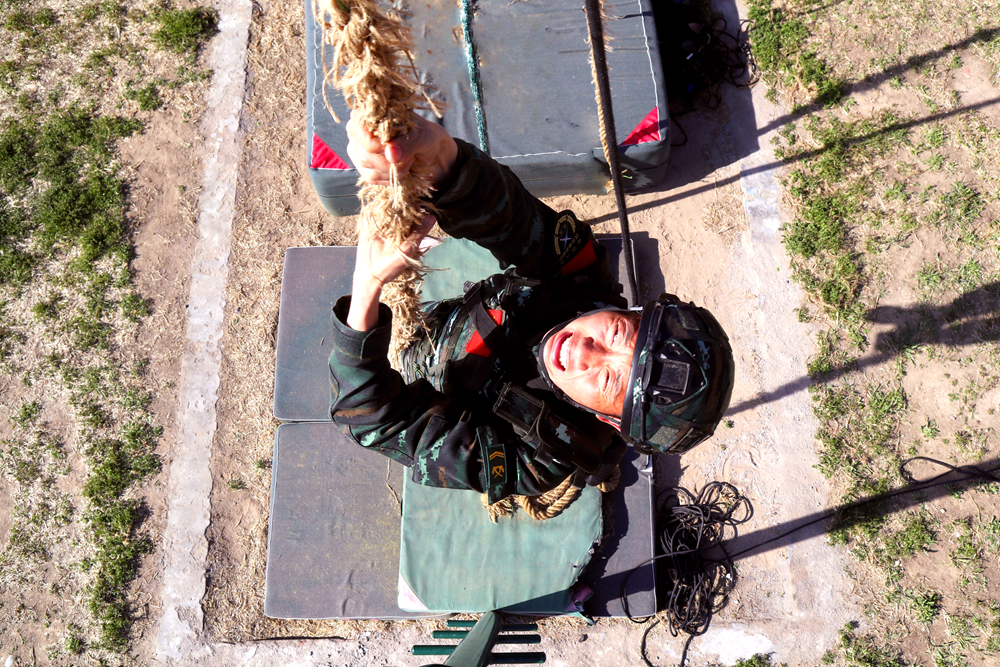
(554, 438)
(473, 370)
(492, 334)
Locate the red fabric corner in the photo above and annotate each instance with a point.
(476, 345)
(582, 259)
(324, 157)
(647, 130)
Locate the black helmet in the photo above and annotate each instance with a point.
(681, 379)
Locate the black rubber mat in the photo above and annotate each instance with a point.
(311, 282)
(333, 537)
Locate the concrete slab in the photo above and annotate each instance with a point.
(190, 478)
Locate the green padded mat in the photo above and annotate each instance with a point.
(518, 564)
(451, 264)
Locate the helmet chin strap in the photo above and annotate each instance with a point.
(612, 421)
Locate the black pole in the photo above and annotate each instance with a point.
(595, 28)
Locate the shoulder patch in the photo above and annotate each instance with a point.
(581, 260)
(565, 234)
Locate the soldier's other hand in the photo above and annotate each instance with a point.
(379, 262)
(427, 144)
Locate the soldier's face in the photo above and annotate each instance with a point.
(591, 357)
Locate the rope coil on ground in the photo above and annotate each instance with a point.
(693, 527)
(701, 585)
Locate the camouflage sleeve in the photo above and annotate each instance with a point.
(486, 203)
(415, 424)
(411, 424)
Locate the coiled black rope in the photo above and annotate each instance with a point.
(699, 55)
(700, 568)
(693, 532)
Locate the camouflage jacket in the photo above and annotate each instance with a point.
(428, 417)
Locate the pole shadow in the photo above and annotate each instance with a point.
(970, 319)
(851, 514)
(722, 136)
(674, 180)
(983, 35)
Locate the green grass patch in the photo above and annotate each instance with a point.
(967, 555)
(925, 605)
(957, 211)
(916, 535)
(948, 655)
(757, 660)
(822, 227)
(66, 291)
(146, 97)
(893, 235)
(775, 36)
(779, 40)
(865, 651)
(185, 30)
(63, 169)
(822, 241)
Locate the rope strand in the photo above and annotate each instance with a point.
(371, 64)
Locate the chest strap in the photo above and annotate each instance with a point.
(472, 370)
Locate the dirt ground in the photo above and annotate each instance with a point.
(161, 170)
(713, 245)
(701, 239)
(165, 185)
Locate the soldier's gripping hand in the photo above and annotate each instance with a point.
(379, 262)
(427, 144)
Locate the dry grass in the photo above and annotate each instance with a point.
(276, 209)
(724, 214)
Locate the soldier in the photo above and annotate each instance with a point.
(539, 372)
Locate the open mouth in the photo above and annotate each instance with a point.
(560, 351)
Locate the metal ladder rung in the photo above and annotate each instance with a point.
(512, 658)
(501, 639)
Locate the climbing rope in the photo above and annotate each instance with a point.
(549, 504)
(693, 526)
(472, 60)
(699, 56)
(372, 66)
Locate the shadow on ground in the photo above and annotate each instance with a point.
(851, 514)
(716, 138)
(970, 319)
